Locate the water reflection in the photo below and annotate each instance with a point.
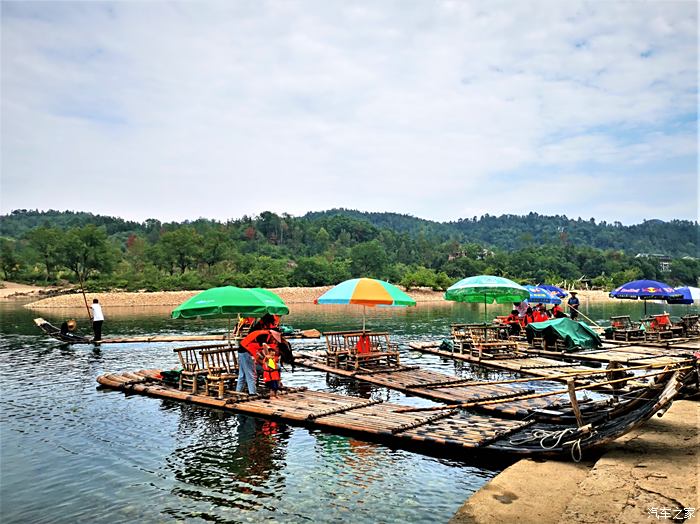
(230, 461)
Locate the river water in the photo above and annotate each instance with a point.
(70, 452)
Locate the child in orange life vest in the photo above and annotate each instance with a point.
(271, 369)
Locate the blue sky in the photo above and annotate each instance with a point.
(441, 109)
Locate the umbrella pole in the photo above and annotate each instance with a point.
(364, 310)
(484, 308)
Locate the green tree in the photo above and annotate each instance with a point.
(181, 247)
(47, 242)
(86, 251)
(368, 260)
(8, 258)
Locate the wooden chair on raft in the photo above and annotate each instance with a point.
(221, 364)
(356, 349)
(192, 367)
(661, 328)
(691, 325)
(485, 343)
(625, 329)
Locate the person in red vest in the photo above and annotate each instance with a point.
(540, 314)
(513, 321)
(249, 353)
(271, 369)
(558, 311)
(529, 317)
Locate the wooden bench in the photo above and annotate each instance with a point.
(625, 329)
(221, 365)
(192, 365)
(691, 325)
(352, 349)
(485, 342)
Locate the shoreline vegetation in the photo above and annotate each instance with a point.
(72, 298)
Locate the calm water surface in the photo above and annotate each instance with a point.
(71, 452)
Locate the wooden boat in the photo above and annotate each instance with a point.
(54, 332)
(449, 428)
(69, 338)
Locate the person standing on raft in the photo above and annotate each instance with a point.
(574, 304)
(97, 320)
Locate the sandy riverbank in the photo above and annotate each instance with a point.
(291, 295)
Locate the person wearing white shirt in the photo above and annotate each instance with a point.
(97, 319)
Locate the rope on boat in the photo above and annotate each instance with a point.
(542, 436)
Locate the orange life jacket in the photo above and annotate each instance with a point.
(363, 344)
(250, 344)
(540, 316)
(271, 368)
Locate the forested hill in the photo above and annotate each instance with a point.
(271, 250)
(676, 238)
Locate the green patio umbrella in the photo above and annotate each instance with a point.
(486, 289)
(229, 302)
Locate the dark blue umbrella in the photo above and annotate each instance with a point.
(688, 295)
(542, 296)
(645, 290)
(554, 290)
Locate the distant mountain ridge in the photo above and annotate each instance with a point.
(676, 238)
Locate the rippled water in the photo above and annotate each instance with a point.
(71, 452)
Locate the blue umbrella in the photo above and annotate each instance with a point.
(541, 296)
(645, 290)
(688, 295)
(554, 290)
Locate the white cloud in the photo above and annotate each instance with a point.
(149, 109)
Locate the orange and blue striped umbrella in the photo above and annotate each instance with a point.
(365, 292)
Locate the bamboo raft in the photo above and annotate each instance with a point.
(543, 363)
(506, 398)
(440, 387)
(630, 354)
(517, 362)
(450, 429)
(69, 338)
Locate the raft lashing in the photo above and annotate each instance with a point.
(449, 429)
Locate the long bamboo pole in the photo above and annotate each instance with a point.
(536, 395)
(549, 377)
(82, 288)
(590, 319)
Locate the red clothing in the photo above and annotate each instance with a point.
(254, 340)
(363, 344)
(271, 372)
(540, 316)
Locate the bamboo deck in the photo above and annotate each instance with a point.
(544, 363)
(530, 365)
(448, 429)
(441, 387)
(340, 413)
(630, 354)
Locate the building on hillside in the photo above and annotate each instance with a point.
(664, 261)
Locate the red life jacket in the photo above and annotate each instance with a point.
(252, 346)
(363, 344)
(271, 372)
(540, 316)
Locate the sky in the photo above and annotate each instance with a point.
(437, 109)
